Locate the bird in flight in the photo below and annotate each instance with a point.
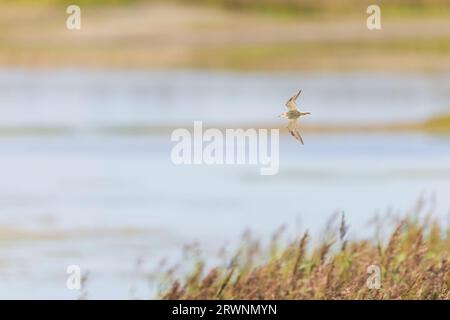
(293, 114)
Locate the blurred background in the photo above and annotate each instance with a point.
(86, 117)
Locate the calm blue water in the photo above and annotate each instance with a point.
(102, 200)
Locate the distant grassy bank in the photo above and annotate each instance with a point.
(439, 124)
(240, 35)
(330, 8)
(286, 8)
(412, 264)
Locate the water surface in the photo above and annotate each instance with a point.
(103, 200)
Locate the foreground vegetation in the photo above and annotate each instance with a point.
(413, 262)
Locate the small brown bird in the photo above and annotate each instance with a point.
(293, 114)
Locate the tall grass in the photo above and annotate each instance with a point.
(413, 261)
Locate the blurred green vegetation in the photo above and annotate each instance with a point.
(69, 2)
(254, 56)
(327, 7)
(286, 8)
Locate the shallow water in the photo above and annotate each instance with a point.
(102, 201)
(83, 99)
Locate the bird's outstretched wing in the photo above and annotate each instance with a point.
(291, 102)
(292, 127)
